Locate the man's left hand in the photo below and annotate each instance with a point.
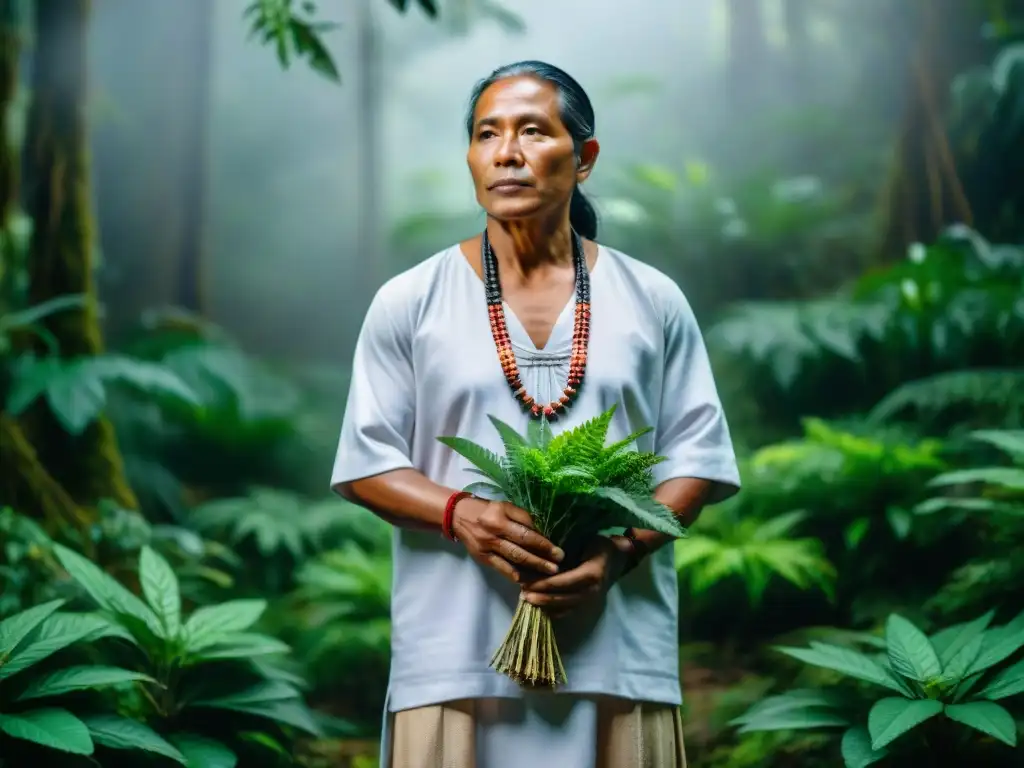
(603, 563)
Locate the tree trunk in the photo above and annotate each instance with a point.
(924, 193)
(89, 467)
(27, 487)
(10, 50)
(747, 76)
(152, 217)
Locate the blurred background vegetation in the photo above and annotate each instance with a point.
(197, 201)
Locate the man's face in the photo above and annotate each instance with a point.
(521, 156)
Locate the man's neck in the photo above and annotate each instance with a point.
(529, 247)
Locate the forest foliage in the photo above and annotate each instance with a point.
(178, 587)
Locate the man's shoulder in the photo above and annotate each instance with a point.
(651, 281)
(411, 285)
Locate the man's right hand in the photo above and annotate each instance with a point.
(500, 535)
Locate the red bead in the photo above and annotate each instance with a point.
(510, 369)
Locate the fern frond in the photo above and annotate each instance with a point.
(487, 462)
(582, 444)
(997, 391)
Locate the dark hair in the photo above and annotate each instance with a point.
(577, 115)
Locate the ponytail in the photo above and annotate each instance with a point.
(582, 215)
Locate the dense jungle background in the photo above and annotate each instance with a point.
(197, 201)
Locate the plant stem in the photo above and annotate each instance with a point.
(529, 654)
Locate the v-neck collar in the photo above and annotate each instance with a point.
(511, 318)
(558, 339)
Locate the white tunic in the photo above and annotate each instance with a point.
(425, 365)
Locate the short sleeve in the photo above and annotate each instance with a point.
(376, 431)
(691, 432)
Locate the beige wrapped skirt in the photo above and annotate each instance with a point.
(630, 735)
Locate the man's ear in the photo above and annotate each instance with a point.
(587, 158)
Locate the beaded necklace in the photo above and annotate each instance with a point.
(503, 344)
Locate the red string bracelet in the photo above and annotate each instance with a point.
(447, 521)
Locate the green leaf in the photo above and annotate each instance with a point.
(966, 686)
(511, 439)
(146, 377)
(76, 398)
(900, 521)
(987, 717)
(1008, 477)
(243, 646)
(798, 709)
(481, 458)
(291, 712)
(201, 752)
(30, 379)
(851, 663)
(19, 626)
(931, 506)
(116, 732)
(1010, 441)
(211, 624)
(105, 590)
(56, 633)
(1008, 682)
(956, 669)
(639, 511)
(160, 586)
(266, 741)
(268, 690)
(785, 703)
(892, 717)
(950, 641)
(793, 720)
(54, 728)
(857, 750)
(31, 315)
(910, 652)
(78, 679)
(999, 644)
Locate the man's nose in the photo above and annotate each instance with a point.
(508, 152)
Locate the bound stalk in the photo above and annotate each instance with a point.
(574, 487)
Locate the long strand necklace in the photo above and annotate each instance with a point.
(503, 344)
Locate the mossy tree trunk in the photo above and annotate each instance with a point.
(924, 193)
(10, 51)
(89, 467)
(25, 483)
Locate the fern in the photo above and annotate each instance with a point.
(572, 484)
(995, 393)
(754, 551)
(995, 493)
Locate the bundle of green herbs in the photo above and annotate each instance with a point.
(574, 487)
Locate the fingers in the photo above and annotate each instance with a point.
(558, 605)
(519, 528)
(502, 566)
(519, 557)
(584, 578)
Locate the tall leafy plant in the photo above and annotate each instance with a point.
(33, 695)
(958, 673)
(210, 678)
